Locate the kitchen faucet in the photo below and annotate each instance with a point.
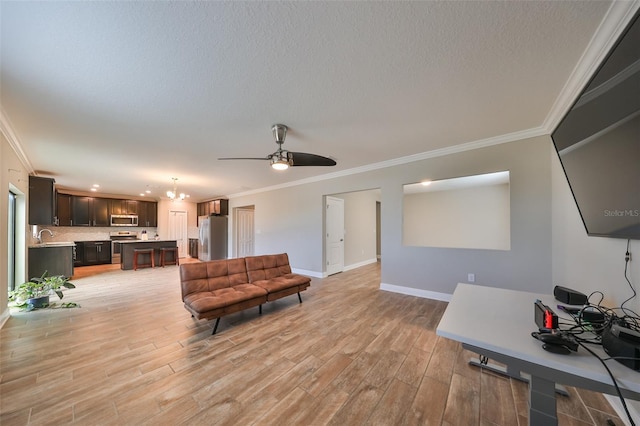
(39, 237)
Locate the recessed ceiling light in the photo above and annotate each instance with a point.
(95, 185)
(147, 191)
(142, 194)
(93, 189)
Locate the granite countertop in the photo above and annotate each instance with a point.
(54, 244)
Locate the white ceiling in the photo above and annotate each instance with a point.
(131, 94)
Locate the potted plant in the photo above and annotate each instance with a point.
(35, 293)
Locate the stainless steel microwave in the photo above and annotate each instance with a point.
(124, 220)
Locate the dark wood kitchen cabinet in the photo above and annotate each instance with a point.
(193, 247)
(63, 210)
(89, 211)
(80, 210)
(119, 206)
(214, 207)
(93, 252)
(54, 260)
(41, 200)
(132, 207)
(101, 212)
(147, 214)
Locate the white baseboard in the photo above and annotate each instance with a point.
(313, 274)
(617, 405)
(359, 264)
(316, 274)
(4, 317)
(410, 291)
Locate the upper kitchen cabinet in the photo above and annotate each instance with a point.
(89, 211)
(63, 210)
(101, 212)
(124, 206)
(214, 207)
(80, 210)
(41, 200)
(147, 213)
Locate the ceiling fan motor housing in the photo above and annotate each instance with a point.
(279, 132)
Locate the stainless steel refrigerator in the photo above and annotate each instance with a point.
(212, 237)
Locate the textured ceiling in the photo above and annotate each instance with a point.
(131, 94)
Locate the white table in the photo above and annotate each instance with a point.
(497, 323)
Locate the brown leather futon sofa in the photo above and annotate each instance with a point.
(217, 288)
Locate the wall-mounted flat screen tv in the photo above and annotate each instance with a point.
(598, 143)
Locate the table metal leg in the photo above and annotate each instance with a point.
(514, 374)
(542, 402)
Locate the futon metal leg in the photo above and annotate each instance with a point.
(299, 297)
(215, 327)
(260, 308)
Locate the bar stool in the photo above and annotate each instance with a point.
(138, 252)
(163, 256)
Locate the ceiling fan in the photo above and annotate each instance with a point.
(283, 159)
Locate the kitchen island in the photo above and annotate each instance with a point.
(127, 247)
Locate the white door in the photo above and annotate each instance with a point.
(334, 242)
(178, 231)
(244, 232)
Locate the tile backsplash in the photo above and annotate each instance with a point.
(75, 233)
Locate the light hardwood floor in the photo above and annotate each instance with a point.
(350, 354)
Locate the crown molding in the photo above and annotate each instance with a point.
(614, 22)
(7, 130)
(469, 146)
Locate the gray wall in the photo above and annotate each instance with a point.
(527, 266)
(291, 220)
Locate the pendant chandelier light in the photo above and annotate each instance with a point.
(174, 194)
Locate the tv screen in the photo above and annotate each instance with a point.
(598, 143)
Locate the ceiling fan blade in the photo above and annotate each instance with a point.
(306, 159)
(244, 158)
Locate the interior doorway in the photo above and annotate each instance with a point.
(244, 231)
(361, 228)
(178, 231)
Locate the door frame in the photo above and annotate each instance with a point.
(236, 229)
(183, 244)
(327, 248)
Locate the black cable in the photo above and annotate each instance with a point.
(615, 383)
(601, 296)
(626, 264)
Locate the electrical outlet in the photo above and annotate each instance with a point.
(627, 256)
(471, 278)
